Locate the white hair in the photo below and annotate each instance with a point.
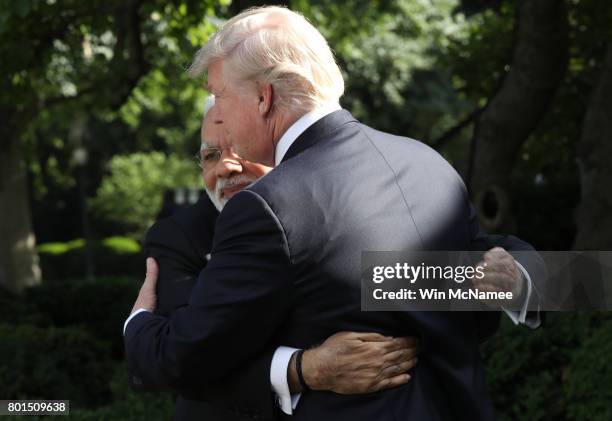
(277, 46)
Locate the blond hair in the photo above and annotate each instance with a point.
(277, 46)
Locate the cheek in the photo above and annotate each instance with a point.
(209, 179)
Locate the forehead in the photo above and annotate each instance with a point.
(215, 81)
(211, 139)
(212, 131)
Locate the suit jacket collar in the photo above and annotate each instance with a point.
(299, 126)
(317, 131)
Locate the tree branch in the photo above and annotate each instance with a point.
(456, 129)
(134, 62)
(60, 99)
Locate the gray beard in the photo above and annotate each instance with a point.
(215, 196)
(215, 199)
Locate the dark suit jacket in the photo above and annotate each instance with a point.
(180, 244)
(285, 266)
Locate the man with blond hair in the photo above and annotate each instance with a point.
(286, 259)
(355, 362)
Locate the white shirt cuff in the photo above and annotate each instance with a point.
(140, 310)
(278, 379)
(516, 316)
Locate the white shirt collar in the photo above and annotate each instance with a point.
(299, 127)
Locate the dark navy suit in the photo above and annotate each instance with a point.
(285, 267)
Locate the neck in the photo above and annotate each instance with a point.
(278, 127)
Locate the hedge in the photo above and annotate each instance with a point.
(63, 340)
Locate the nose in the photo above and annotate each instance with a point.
(229, 164)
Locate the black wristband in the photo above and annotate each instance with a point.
(298, 368)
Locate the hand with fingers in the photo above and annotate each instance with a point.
(501, 274)
(147, 297)
(356, 363)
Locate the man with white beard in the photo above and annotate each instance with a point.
(224, 172)
(348, 362)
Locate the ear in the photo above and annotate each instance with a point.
(266, 98)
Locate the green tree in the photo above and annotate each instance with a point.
(130, 196)
(390, 53)
(71, 59)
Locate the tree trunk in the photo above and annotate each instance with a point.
(18, 258)
(538, 66)
(594, 215)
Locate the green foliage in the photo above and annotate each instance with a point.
(99, 307)
(123, 404)
(589, 378)
(122, 245)
(70, 303)
(480, 56)
(556, 372)
(132, 193)
(560, 371)
(127, 404)
(61, 248)
(118, 68)
(112, 256)
(52, 363)
(13, 310)
(62, 340)
(412, 67)
(550, 150)
(74, 46)
(390, 53)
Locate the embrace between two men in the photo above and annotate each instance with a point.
(284, 268)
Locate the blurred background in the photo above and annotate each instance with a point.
(98, 121)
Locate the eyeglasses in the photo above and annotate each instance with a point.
(207, 156)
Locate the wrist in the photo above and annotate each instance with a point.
(520, 293)
(311, 371)
(298, 365)
(292, 376)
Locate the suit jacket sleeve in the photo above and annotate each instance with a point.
(179, 245)
(239, 301)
